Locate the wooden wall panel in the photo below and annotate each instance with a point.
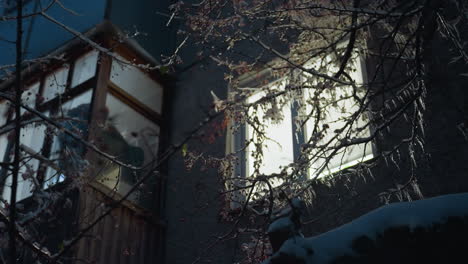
(123, 237)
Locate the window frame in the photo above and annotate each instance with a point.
(104, 87)
(51, 106)
(101, 85)
(239, 137)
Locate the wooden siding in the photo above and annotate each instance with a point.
(124, 236)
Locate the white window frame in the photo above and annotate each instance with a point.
(49, 86)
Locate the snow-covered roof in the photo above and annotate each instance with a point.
(337, 242)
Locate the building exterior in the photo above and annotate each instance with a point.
(80, 77)
(439, 170)
(134, 113)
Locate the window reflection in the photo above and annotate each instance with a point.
(66, 150)
(137, 84)
(55, 83)
(132, 139)
(28, 97)
(32, 137)
(4, 106)
(85, 68)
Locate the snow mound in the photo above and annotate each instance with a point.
(330, 245)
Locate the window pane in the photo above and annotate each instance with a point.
(337, 108)
(32, 137)
(55, 83)
(67, 152)
(277, 147)
(85, 68)
(81, 100)
(4, 107)
(137, 84)
(131, 138)
(52, 176)
(29, 96)
(3, 145)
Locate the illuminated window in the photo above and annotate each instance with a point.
(291, 122)
(335, 117)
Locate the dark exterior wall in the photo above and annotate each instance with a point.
(446, 118)
(193, 202)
